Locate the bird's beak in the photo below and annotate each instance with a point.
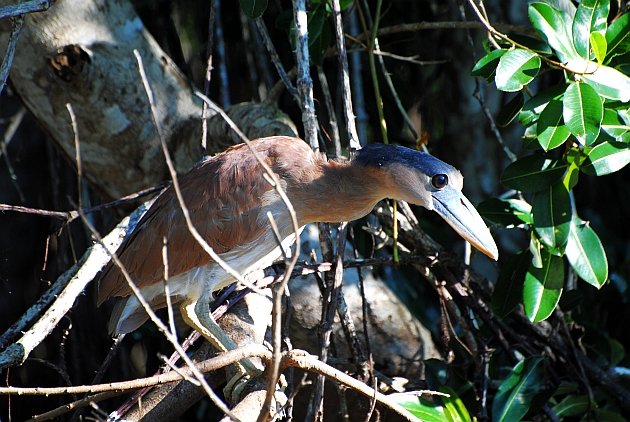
(457, 210)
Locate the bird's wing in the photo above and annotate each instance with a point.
(224, 196)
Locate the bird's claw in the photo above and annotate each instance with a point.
(236, 385)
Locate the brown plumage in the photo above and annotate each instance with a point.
(228, 199)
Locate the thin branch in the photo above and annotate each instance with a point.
(25, 7)
(331, 303)
(304, 81)
(69, 216)
(14, 123)
(221, 361)
(330, 110)
(294, 358)
(410, 59)
(207, 77)
(423, 26)
(478, 93)
(62, 215)
(310, 363)
(374, 46)
(275, 59)
(16, 26)
(65, 291)
(77, 151)
(353, 136)
(362, 118)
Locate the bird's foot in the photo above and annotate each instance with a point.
(236, 385)
(244, 374)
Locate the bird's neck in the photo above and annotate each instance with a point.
(339, 191)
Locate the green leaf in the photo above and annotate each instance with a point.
(551, 209)
(586, 254)
(624, 113)
(535, 105)
(506, 212)
(425, 410)
(573, 406)
(253, 8)
(532, 173)
(508, 290)
(535, 248)
(487, 65)
(516, 393)
(453, 406)
(319, 33)
(621, 63)
(598, 44)
(608, 82)
(516, 69)
(583, 112)
(316, 21)
(550, 129)
(553, 25)
(543, 287)
(612, 123)
(606, 158)
(618, 36)
(510, 110)
(572, 175)
(590, 17)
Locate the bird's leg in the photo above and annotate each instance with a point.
(197, 314)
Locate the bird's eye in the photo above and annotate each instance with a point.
(439, 181)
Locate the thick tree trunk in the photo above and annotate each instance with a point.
(81, 53)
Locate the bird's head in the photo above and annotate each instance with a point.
(419, 178)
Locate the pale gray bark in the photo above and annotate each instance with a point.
(81, 52)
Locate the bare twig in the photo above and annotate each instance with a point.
(275, 59)
(423, 26)
(210, 365)
(294, 358)
(10, 130)
(373, 46)
(353, 137)
(304, 81)
(77, 404)
(331, 303)
(330, 109)
(208, 76)
(410, 59)
(25, 7)
(362, 118)
(62, 215)
(65, 291)
(167, 290)
(77, 152)
(479, 96)
(16, 27)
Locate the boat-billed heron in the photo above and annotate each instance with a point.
(228, 199)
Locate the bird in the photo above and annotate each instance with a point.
(228, 200)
